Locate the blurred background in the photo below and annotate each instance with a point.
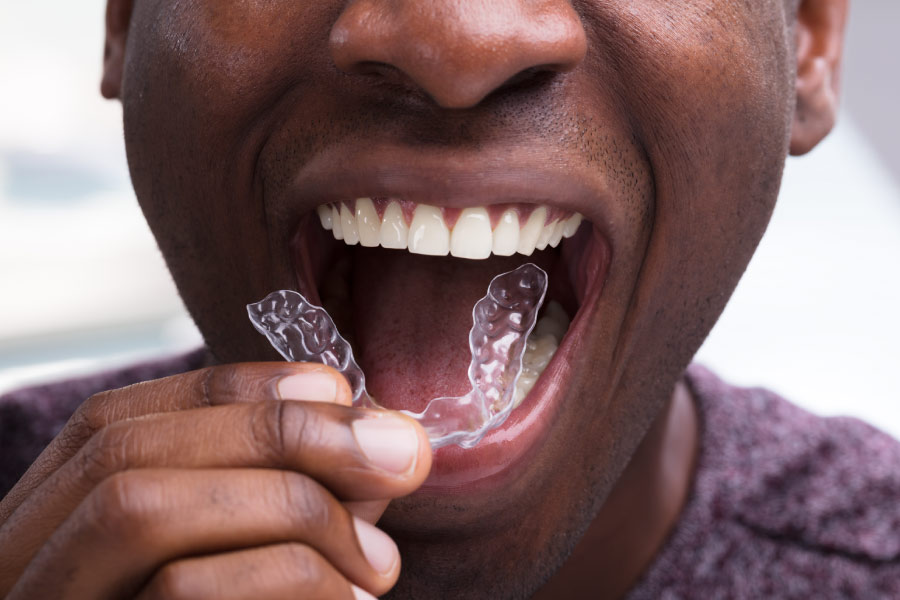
(816, 318)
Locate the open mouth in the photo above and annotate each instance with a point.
(400, 279)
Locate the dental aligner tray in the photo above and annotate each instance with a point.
(502, 321)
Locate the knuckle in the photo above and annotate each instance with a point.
(306, 566)
(227, 384)
(267, 431)
(281, 428)
(308, 505)
(124, 507)
(302, 425)
(89, 418)
(104, 453)
(207, 383)
(95, 410)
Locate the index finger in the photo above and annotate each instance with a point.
(215, 386)
(212, 386)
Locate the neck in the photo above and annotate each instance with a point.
(641, 510)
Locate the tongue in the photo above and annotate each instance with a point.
(411, 316)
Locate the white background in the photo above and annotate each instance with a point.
(82, 285)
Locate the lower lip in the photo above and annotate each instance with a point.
(505, 451)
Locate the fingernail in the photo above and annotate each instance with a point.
(378, 548)
(312, 387)
(390, 443)
(361, 594)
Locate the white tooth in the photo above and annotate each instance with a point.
(471, 237)
(526, 382)
(348, 224)
(572, 225)
(528, 236)
(337, 229)
(558, 227)
(428, 234)
(325, 216)
(540, 348)
(524, 385)
(539, 358)
(530, 373)
(506, 234)
(518, 396)
(394, 231)
(368, 223)
(544, 238)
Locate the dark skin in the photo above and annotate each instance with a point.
(678, 118)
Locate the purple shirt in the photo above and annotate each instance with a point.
(784, 504)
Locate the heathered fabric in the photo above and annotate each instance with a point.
(784, 504)
(31, 417)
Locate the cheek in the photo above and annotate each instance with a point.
(719, 137)
(706, 86)
(224, 61)
(203, 81)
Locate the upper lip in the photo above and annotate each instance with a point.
(458, 180)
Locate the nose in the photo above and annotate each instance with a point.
(458, 51)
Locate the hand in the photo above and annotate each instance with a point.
(230, 482)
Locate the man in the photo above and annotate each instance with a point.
(266, 140)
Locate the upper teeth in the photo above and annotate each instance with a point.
(428, 233)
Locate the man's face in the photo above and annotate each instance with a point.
(664, 124)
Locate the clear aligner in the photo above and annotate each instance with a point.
(502, 321)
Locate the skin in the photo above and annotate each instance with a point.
(682, 113)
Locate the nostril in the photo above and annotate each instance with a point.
(388, 77)
(380, 70)
(372, 68)
(455, 52)
(532, 77)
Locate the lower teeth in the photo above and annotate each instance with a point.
(505, 360)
